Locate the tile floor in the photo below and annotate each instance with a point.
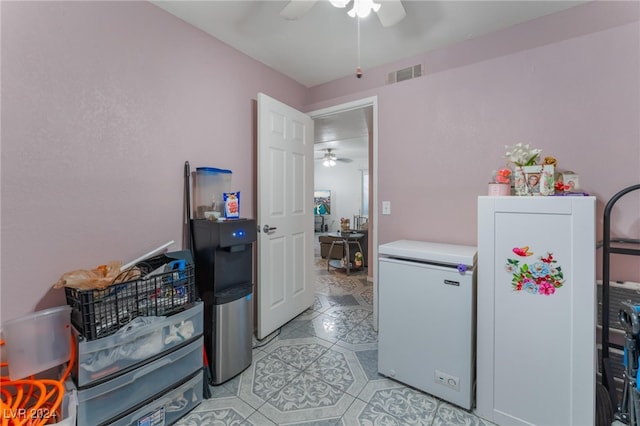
(321, 370)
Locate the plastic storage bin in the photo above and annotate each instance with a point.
(69, 405)
(210, 184)
(169, 408)
(101, 403)
(100, 313)
(37, 342)
(99, 360)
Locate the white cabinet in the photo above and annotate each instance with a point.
(536, 310)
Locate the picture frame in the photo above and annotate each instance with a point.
(534, 180)
(322, 202)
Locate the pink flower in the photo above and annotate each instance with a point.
(546, 288)
(502, 176)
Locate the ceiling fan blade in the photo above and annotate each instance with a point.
(296, 9)
(391, 12)
(344, 160)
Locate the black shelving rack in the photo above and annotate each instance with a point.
(624, 246)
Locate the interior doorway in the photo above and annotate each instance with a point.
(344, 132)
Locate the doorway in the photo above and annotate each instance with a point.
(358, 125)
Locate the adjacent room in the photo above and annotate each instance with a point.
(344, 212)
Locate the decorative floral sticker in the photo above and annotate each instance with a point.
(541, 277)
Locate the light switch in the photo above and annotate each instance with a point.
(386, 207)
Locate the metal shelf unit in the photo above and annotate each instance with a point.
(624, 246)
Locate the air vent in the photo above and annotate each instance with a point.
(404, 74)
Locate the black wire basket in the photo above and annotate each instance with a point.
(166, 286)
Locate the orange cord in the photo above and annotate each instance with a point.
(40, 404)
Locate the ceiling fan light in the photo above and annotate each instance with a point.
(362, 8)
(339, 3)
(326, 163)
(332, 162)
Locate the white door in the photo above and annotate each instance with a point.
(285, 281)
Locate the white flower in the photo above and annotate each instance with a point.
(522, 155)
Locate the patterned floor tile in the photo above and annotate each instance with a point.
(299, 353)
(345, 300)
(409, 406)
(361, 337)
(304, 399)
(321, 303)
(369, 362)
(259, 419)
(352, 313)
(221, 411)
(449, 415)
(333, 285)
(341, 369)
(265, 377)
(331, 328)
(365, 296)
(327, 422)
(360, 414)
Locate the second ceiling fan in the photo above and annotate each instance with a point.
(329, 159)
(390, 12)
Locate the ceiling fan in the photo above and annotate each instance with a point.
(390, 12)
(329, 159)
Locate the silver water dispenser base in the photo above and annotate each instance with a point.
(233, 331)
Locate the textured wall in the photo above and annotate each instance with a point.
(102, 103)
(556, 83)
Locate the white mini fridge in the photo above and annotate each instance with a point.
(536, 361)
(426, 321)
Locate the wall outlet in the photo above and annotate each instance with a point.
(447, 380)
(386, 207)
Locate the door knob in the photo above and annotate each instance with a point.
(268, 229)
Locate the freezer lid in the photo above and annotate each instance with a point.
(449, 254)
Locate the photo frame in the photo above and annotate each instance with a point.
(534, 180)
(321, 202)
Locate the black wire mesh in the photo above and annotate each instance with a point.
(100, 313)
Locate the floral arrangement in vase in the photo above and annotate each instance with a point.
(345, 224)
(357, 258)
(529, 177)
(500, 183)
(522, 155)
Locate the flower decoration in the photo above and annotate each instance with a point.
(542, 277)
(462, 268)
(503, 176)
(522, 155)
(358, 256)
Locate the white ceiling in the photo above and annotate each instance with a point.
(321, 46)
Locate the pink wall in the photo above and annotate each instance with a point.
(440, 136)
(102, 103)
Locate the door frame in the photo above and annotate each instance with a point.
(373, 224)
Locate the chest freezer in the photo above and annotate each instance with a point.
(426, 335)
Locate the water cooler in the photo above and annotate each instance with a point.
(224, 276)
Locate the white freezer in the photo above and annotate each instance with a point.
(426, 335)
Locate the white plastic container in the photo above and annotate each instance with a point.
(69, 405)
(102, 403)
(102, 359)
(170, 407)
(210, 184)
(37, 342)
